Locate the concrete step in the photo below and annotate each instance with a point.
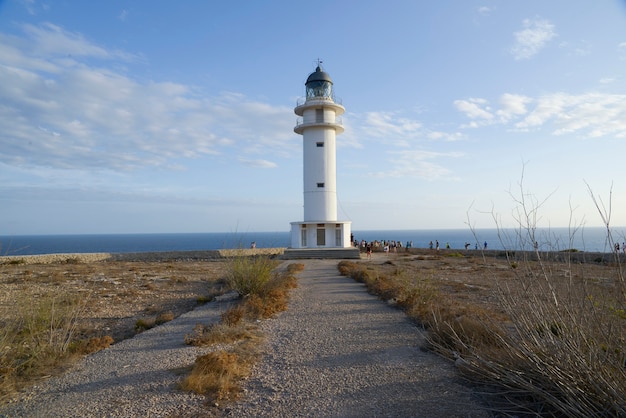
(320, 253)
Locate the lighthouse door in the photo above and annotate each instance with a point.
(321, 235)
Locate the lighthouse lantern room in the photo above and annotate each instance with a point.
(319, 124)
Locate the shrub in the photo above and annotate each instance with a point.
(91, 345)
(164, 317)
(217, 373)
(564, 349)
(143, 324)
(248, 275)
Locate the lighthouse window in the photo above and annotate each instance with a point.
(319, 115)
(319, 144)
(320, 184)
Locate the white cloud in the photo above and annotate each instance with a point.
(474, 108)
(512, 105)
(390, 125)
(484, 10)
(59, 112)
(417, 163)
(51, 41)
(591, 115)
(258, 163)
(533, 38)
(444, 136)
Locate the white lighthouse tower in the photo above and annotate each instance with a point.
(319, 125)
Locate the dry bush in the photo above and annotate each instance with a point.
(220, 333)
(144, 324)
(214, 374)
(294, 268)
(248, 275)
(565, 350)
(164, 317)
(566, 347)
(217, 374)
(92, 345)
(234, 315)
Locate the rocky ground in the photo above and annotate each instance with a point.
(119, 291)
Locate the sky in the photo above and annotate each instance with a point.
(157, 116)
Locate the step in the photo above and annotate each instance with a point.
(321, 253)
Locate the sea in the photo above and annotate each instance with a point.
(592, 239)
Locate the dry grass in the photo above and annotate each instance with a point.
(40, 338)
(144, 324)
(217, 374)
(547, 337)
(51, 314)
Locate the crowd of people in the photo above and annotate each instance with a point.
(393, 246)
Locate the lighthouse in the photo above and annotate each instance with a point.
(319, 124)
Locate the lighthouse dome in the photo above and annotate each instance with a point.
(319, 75)
(319, 85)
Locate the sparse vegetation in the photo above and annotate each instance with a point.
(40, 338)
(264, 293)
(547, 339)
(53, 313)
(547, 358)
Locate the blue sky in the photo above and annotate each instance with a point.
(153, 116)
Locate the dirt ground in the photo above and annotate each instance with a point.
(120, 293)
(117, 294)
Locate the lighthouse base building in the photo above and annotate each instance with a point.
(320, 234)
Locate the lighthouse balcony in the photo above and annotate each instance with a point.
(317, 103)
(324, 99)
(301, 125)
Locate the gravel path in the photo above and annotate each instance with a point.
(340, 352)
(337, 352)
(133, 378)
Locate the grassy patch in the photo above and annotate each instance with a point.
(41, 337)
(217, 374)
